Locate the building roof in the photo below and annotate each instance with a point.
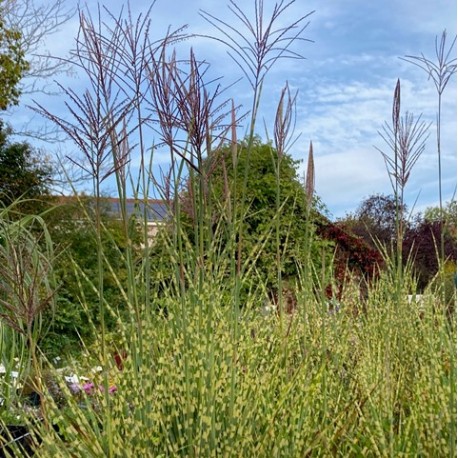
(156, 210)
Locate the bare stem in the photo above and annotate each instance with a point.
(439, 70)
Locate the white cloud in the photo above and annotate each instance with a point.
(342, 119)
(345, 177)
(346, 85)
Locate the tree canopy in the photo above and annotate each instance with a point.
(375, 220)
(13, 64)
(23, 173)
(275, 223)
(422, 242)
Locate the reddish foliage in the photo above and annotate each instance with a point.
(119, 358)
(422, 242)
(352, 254)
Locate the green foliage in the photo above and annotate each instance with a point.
(12, 65)
(27, 291)
(448, 212)
(447, 216)
(27, 284)
(212, 378)
(23, 174)
(77, 312)
(203, 383)
(276, 225)
(374, 222)
(448, 283)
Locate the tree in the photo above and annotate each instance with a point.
(423, 240)
(23, 173)
(12, 64)
(375, 221)
(447, 215)
(352, 255)
(280, 230)
(37, 21)
(276, 223)
(77, 314)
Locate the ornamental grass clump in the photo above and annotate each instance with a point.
(198, 369)
(440, 70)
(406, 139)
(320, 384)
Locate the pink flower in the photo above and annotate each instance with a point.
(88, 388)
(112, 389)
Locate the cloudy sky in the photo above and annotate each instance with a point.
(345, 86)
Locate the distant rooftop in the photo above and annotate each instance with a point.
(156, 209)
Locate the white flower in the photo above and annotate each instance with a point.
(72, 379)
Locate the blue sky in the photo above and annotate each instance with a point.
(345, 87)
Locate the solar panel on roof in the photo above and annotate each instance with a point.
(155, 211)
